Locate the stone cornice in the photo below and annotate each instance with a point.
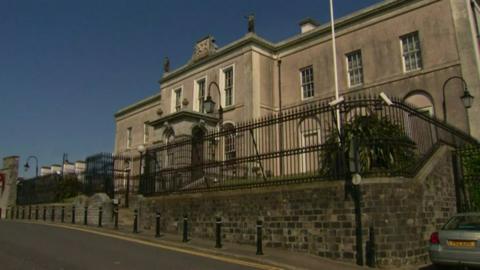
(253, 39)
(183, 115)
(140, 104)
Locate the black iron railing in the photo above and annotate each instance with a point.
(300, 145)
(468, 182)
(49, 188)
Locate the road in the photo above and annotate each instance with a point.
(34, 246)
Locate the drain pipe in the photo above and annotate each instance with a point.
(280, 109)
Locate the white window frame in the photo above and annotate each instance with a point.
(173, 99)
(419, 50)
(351, 69)
(196, 90)
(146, 132)
(222, 84)
(303, 144)
(129, 137)
(302, 84)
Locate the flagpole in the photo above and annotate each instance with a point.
(334, 51)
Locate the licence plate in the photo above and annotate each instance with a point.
(461, 244)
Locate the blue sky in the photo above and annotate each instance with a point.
(67, 66)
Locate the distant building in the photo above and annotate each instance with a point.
(405, 48)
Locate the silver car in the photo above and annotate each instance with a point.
(458, 242)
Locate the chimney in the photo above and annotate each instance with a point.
(307, 24)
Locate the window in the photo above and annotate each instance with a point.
(307, 82)
(145, 133)
(355, 68)
(228, 86)
(412, 56)
(129, 137)
(178, 99)
(201, 94)
(230, 151)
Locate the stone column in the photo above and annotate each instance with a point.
(8, 196)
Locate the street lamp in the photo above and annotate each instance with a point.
(26, 166)
(467, 98)
(210, 104)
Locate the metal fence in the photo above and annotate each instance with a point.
(468, 180)
(49, 188)
(300, 145)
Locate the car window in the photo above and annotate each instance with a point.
(468, 223)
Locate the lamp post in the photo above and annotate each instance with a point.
(467, 98)
(210, 104)
(26, 166)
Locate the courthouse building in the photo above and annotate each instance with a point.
(405, 48)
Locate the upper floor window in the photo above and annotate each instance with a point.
(412, 55)
(146, 133)
(178, 99)
(307, 82)
(228, 86)
(129, 137)
(355, 68)
(201, 94)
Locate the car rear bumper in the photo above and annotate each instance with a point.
(439, 255)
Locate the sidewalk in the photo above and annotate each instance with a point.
(279, 258)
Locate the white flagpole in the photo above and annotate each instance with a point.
(334, 49)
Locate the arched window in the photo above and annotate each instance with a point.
(310, 137)
(422, 101)
(229, 146)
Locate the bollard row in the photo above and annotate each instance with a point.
(17, 213)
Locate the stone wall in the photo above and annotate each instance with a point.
(8, 196)
(318, 218)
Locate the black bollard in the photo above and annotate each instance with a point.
(52, 217)
(62, 215)
(6, 213)
(157, 224)
(12, 212)
(259, 237)
(29, 212)
(36, 213)
(218, 234)
(44, 213)
(85, 216)
(371, 249)
(17, 212)
(185, 228)
(73, 214)
(115, 216)
(23, 212)
(135, 221)
(100, 213)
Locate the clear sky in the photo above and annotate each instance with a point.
(67, 66)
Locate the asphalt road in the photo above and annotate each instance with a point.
(38, 247)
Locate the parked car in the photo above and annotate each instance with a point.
(458, 242)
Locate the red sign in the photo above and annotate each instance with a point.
(2, 182)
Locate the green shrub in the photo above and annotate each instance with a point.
(382, 146)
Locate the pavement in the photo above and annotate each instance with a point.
(128, 250)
